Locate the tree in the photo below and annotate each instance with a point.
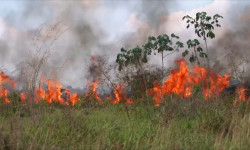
(136, 57)
(195, 45)
(204, 26)
(163, 43)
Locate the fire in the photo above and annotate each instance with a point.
(74, 99)
(93, 92)
(156, 93)
(22, 97)
(4, 79)
(212, 83)
(39, 92)
(54, 93)
(181, 82)
(4, 93)
(241, 95)
(120, 95)
(178, 80)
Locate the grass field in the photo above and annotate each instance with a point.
(177, 124)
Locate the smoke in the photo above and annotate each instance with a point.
(231, 51)
(148, 20)
(154, 12)
(89, 28)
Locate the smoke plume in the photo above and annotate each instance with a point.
(80, 29)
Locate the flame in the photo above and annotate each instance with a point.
(39, 92)
(74, 99)
(213, 84)
(156, 93)
(22, 97)
(4, 92)
(120, 95)
(54, 93)
(181, 82)
(177, 80)
(241, 95)
(93, 92)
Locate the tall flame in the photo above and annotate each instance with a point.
(120, 95)
(241, 95)
(156, 93)
(93, 91)
(181, 82)
(4, 92)
(22, 97)
(54, 93)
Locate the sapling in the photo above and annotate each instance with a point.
(204, 26)
(163, 43)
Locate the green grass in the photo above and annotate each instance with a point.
(178, 124)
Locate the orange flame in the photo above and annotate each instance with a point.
(54, 93)
(39, 92)
(93, 91)
(181, 82)
(22, 97)
(120, 95)
(156, 93)
(241, 95)
(74, 99)
(4, 92)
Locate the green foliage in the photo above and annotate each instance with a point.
(162, 43)
(180, 124)
(203, 24)
(133, 56)
(140, 55)
(198, 51)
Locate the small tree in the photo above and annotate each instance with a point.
(163, 43)
(204, 26)
(195, 45)
(137, 57)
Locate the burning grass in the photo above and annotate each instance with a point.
(183, 118)
(181, 81)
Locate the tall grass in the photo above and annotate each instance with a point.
(178, 124)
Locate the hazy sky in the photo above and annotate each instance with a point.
(100, 27)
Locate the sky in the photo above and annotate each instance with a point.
(99, 27)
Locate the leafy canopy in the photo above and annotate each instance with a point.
(204, 26)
